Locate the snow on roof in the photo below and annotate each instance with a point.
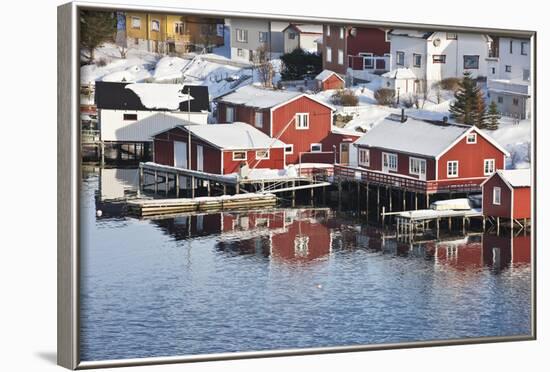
(325, 74)
(254, 96)
(160, 96)
(516, 177)
(234, 136)
(400, 73)
(413, 136)
(307, 28)
(411, 33)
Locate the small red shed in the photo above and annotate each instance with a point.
(301, 121)
(508, 194)
(218, 148)
(329, 80)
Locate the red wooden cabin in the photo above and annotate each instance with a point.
(218, 148)
(299, 120)
(508, 194)
(427, 157)
(329, 80)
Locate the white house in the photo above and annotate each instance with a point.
(509, 77)
(302, 36)
(127, 111)
(433, 56)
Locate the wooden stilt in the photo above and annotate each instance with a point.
(404, 207)
(209, 188)
(437, 228)
(450, 220)
(367, 201)
(224, 189)
(156, 180)
(390, 198)
(293, 194)
(192, 187)
(177, 185)
(484, 222)
(427, 200)
(377, 201)
(498, 225)
(166, 184)
(140, 188)
(415, 201)
(463, 225)
(339, 194)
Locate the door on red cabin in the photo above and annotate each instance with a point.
(180, 154)
(200, 158)
(344, 153)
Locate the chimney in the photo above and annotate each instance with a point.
(403, 116)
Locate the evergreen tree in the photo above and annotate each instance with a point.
(96, 28)
(469, 105)
(300, 64)
(493, 117)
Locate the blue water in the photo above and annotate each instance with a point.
(282, 280)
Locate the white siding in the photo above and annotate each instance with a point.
(114, 128)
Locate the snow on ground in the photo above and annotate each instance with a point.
(516, 138)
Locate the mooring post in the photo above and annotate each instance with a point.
(358, 196)
(140, 188)
(192, 187)
(224, 189)
(102, 153)
(237, 188)
(177, 181)
(166, 185)
(156, 185)
(383, 216)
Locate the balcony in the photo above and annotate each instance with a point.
(518, 87)
(408, 183)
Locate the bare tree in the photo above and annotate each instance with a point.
(263, 66)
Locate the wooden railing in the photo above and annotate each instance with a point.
(407, 183)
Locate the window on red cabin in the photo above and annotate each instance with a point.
(488, 167)
(262, 154)
(302, 120)
(229, 114)
(364, 157)
(471, 138)
(452, 168)
(239, 155)
(289, 149)
(259, 119)
(496, 195)
(316, 147)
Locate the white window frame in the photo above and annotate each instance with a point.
(179, 27)
(234, 153)
(265, 157)
(315, 145)
(452, 36)
(261, 39)
(240, 52)
(363, 157)
(328, 56)
(497, 191)
(489, 167)
(241, 35)
(259, 119)
(419, 65)
(299, 121)
(342, 32)
(391, 155)
(397, 54)
(328, 30)
(455, 174)
(471, 135)
(157, 22)
(419, 160)
(387, 37)
(228, 110)
(340, 57)
(138, 19)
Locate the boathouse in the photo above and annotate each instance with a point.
(125, 109)
(302, 122)
(218, 148)
(507, 194)
(329, 80)
(427, 157)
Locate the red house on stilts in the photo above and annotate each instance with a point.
(218, 148)
(507, 194)
(299, 120)
(425, 157)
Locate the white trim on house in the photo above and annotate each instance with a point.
(454, 174)
(471, 135)
(389, 167)
(301, 118)
(367, 157)
(267, 153)
(460, 138)
(492, 167)
(316, 144)
(495, 201)
(259, 123)
(238, 152)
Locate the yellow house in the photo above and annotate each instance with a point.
(162, 33)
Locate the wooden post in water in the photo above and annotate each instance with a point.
(156, 185)
(367, 202)
(358, 196)
(415, 201)
(140, 176)
(437, 227)
(177, 181)
(498, 225)
(378, 202)
(166, 184)
(427, 201)
(383, 216)
(192, 187)
(450, 221)
(390, 194)
(463, 225)
(224, 189)
(404, 207)
(293, 193)
(484, 219)
(339, 194)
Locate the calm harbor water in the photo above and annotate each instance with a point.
(282, 279)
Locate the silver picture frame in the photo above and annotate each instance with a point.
(68, 181)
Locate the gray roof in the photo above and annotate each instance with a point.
(516, 177)
(413, 136)
(254, 96)
(325, 74)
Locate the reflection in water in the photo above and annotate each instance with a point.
(285, 278)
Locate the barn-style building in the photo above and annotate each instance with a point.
(428, 157)
(302, 122)
(327, 80)
(218, 148)
(507, 194)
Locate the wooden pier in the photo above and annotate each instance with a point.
(153, 207)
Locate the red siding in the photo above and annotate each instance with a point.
(332, 82)
(320, 120)
(522, 202)
(275, 161)
(334, 42)
(244, 114)
(402, 163)
(368, 40)
(470, 158)
(490, 209)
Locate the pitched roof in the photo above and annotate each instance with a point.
(150, 97)
(411, 33)
(306, 28)
(413, 136)
(234, 136)
(325, 74)
(516, 177)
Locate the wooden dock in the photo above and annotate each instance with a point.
(152, 207)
